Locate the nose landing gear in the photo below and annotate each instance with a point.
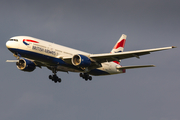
(85, 76)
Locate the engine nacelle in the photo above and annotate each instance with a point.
(25, 65)
(81, 60)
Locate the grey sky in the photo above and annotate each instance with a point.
(93, 26)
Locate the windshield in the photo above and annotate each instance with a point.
(14, 40)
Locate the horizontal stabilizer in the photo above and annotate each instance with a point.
(132, 67)
(12, 60)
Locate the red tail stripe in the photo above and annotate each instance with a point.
(120, 44)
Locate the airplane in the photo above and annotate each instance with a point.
(32, 52)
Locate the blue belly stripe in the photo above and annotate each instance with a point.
(51, 60)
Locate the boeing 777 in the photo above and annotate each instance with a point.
(32, 52)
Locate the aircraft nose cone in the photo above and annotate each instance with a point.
(7, 44)
(10, 44)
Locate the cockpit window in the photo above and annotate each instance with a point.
(14, 40)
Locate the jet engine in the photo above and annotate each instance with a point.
(81, 61)
(25, 65)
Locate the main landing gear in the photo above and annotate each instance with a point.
(54, 77)
(85, 76)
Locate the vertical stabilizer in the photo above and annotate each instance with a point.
(119, 47)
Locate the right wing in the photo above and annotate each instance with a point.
(100, 58)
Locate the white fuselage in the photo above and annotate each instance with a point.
(50, 54)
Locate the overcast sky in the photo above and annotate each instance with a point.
(93, 26)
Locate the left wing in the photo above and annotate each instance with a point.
(38, 64)
(124, 55)
(12, 60)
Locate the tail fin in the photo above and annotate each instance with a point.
(119, 47)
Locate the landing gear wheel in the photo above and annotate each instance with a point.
(85, 76)
(55, 78)
(81, 75)
(59, 80)
(90, 78)
(50, 77)
(86, 79)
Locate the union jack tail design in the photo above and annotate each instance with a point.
(119, 46)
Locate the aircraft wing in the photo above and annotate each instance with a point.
(12, 60)
(38, 64)
(124, 55)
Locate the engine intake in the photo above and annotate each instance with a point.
(25, 65)
(81, 60)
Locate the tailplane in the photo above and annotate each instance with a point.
(132, 67)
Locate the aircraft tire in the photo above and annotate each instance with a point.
(50, 77)
(59, 80)
(90, 78)
(86, 78)
(55, 77)
(81, 75)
